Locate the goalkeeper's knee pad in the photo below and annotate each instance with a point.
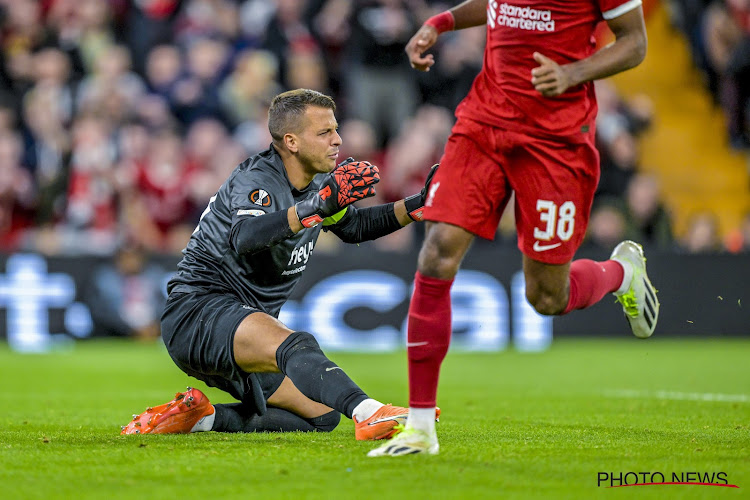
(296, 341)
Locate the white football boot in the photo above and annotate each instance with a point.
(636, 295)
(408, 442)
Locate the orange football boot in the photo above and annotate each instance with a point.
(176, 417)
(382, 424)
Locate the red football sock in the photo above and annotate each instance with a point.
(591, 280)
(429, 335)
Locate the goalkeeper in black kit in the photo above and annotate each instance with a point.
(249, 250)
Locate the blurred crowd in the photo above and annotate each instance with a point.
(719, 36)
(120, 118)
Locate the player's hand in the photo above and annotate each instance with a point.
(415, 203)
(549, 78)
(419, 43)
(350, 181)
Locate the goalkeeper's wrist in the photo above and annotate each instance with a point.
(308, 215)
(442, 22)
(414, 206)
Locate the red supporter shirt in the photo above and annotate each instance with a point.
(563, 30)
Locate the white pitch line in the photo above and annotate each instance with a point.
(678, 396)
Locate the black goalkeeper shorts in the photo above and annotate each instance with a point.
(198, 331)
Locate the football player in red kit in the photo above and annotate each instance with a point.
(526, 127)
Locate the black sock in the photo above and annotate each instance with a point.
(299, 357)
(236, 417)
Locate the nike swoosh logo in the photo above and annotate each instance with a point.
(333, 368)
(389, 419)
(416, 344)
(543, 248)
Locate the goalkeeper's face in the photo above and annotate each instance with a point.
(319, 140)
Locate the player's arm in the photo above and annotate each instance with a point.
(348, 182)
(358, 225)
(465, 15)
(627, 51)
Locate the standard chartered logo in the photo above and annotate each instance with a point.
(524, 18)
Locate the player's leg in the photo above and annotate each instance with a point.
(552, 213)
(558, 289)
(221, 341)
(288, 410)
(429, 324)
(554, 289)
(428, 336)
(264, 344)
(467, 197)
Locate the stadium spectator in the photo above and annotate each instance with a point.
(702, 234)
(196, 93)
(17, 192)
(607, 225)
(125, 296)
(527, 125)
(420, 142)
(148, 23)
(249, 250)
(376, 66)
(8, 112)
(216, 19)
(249, 88)
(112, 88)
(91, 214)
(648, 219)
(687, 16)
(727, 42)
(52, 74)
(48, 147)
(83, 29)
(618, 125)
(23, 33)
(330, 24)
(163, 69)
(744, 234)
(361, 142)
(288, 33)
(307, 69)
(461, 55)
(162, 189)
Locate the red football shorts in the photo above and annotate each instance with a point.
(554, 183)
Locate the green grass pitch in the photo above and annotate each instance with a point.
(513, 426)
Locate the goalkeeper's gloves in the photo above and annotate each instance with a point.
(350, 181)
(415, 203)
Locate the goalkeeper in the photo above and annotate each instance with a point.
(249, 250)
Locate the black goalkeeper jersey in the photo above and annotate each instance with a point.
(263, 280)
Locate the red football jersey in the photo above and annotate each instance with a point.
(563, 30)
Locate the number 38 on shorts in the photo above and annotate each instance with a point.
(555, 221)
